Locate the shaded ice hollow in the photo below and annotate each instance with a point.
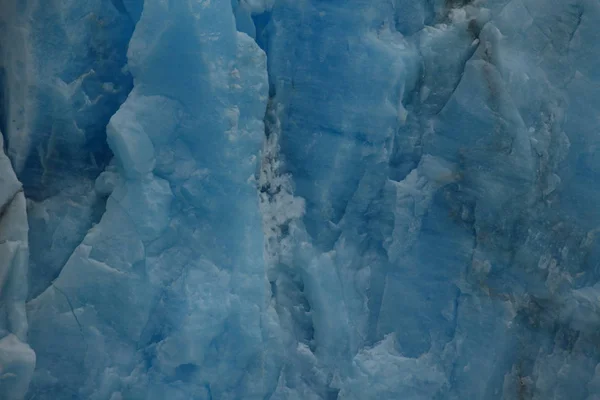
(276, 199)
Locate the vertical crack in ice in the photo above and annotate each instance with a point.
(68, 300)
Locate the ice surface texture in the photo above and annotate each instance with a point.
(277, 199)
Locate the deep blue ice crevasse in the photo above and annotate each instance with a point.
(63, 78)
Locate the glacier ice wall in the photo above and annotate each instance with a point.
(17, 359)
(275, 199)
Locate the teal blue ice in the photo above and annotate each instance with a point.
(300, 200)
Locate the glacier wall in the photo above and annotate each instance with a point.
(274, 199)
(17, 359)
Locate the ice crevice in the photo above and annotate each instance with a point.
(71, 308)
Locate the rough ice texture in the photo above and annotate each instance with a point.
(17, 359)
(277, 199)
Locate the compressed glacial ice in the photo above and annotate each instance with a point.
(17, 359)
(276, 199)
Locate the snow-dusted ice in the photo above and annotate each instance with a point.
(300, 199)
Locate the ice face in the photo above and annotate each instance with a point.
(167, 292)
(299, 200)
(17, 359)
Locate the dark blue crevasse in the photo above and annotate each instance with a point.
(77, 79)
